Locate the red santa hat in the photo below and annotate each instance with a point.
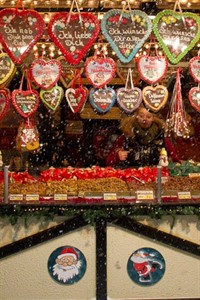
(69, 252)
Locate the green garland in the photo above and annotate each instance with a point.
(91, 214)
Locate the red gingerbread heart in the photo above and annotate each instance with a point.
(19, 32)
(25, 102)
(194, 66)
(74, 33)
(152, 69)
(99, 70)
(45, 73)
(4, 103)
(194, 97)
(76, 98)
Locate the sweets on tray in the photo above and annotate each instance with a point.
(102, 185)
(182, 183)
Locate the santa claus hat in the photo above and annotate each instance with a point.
(68, 251)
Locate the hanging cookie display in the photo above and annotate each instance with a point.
(69, 71)
(177, 32)
(74, 33)
(19, 31)
(152, 68)
(194, 67)
(129, 98)
(194, 97)
(126, 31)
(45, 73)
(52, 97)
(7, 69)
(27, 138)
(76, 96)
(103, 99)
(100, 69)
(4, 102)
(155, 98)
(25, 101)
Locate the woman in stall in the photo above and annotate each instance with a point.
(141, 141)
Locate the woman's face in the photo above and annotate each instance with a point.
(144, 118)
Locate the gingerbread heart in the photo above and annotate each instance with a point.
(76, 98)
(7, 68)
(194, 67)
(74, 33)
(4, 103)
(99, 70)
(52, 97)
(25, 102)
(102, 99)
(45, 73)
(126, 32)
(152, 69)
(69, 73)
(155, 97)
(129, 99)
(19, 32)
(194, 97)
(176, 32)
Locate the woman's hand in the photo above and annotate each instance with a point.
(123, 154)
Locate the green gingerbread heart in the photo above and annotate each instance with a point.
(52, 97)
(176, 32)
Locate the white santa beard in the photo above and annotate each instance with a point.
(65, 273)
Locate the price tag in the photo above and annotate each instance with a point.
(16, 197)
(32, 197)
(184, 195)
(60, 197)
(144, 195)
(110, 196)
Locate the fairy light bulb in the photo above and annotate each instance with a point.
(51, 54)
(52, 47)
(46, 18)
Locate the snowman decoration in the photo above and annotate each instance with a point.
(163, 161)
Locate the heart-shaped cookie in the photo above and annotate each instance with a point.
(19, 31)
(4, 103)
(194, 67)
(126, 32)
(7, 68)
(52, 97)
(194, 97)
(155, 97)
(129, 99)
(99, 70)
(102, 99)
(69, 73)
(45, 73)
(176, 32)
(74, 33)
(152, 68)
(76, 98)
(25, 102)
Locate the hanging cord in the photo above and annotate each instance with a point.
(177, 4)
(126, 8)
(75, 3)
(129, 78)
(20, 3)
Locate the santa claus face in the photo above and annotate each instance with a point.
(66, 260)
(67, 265)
